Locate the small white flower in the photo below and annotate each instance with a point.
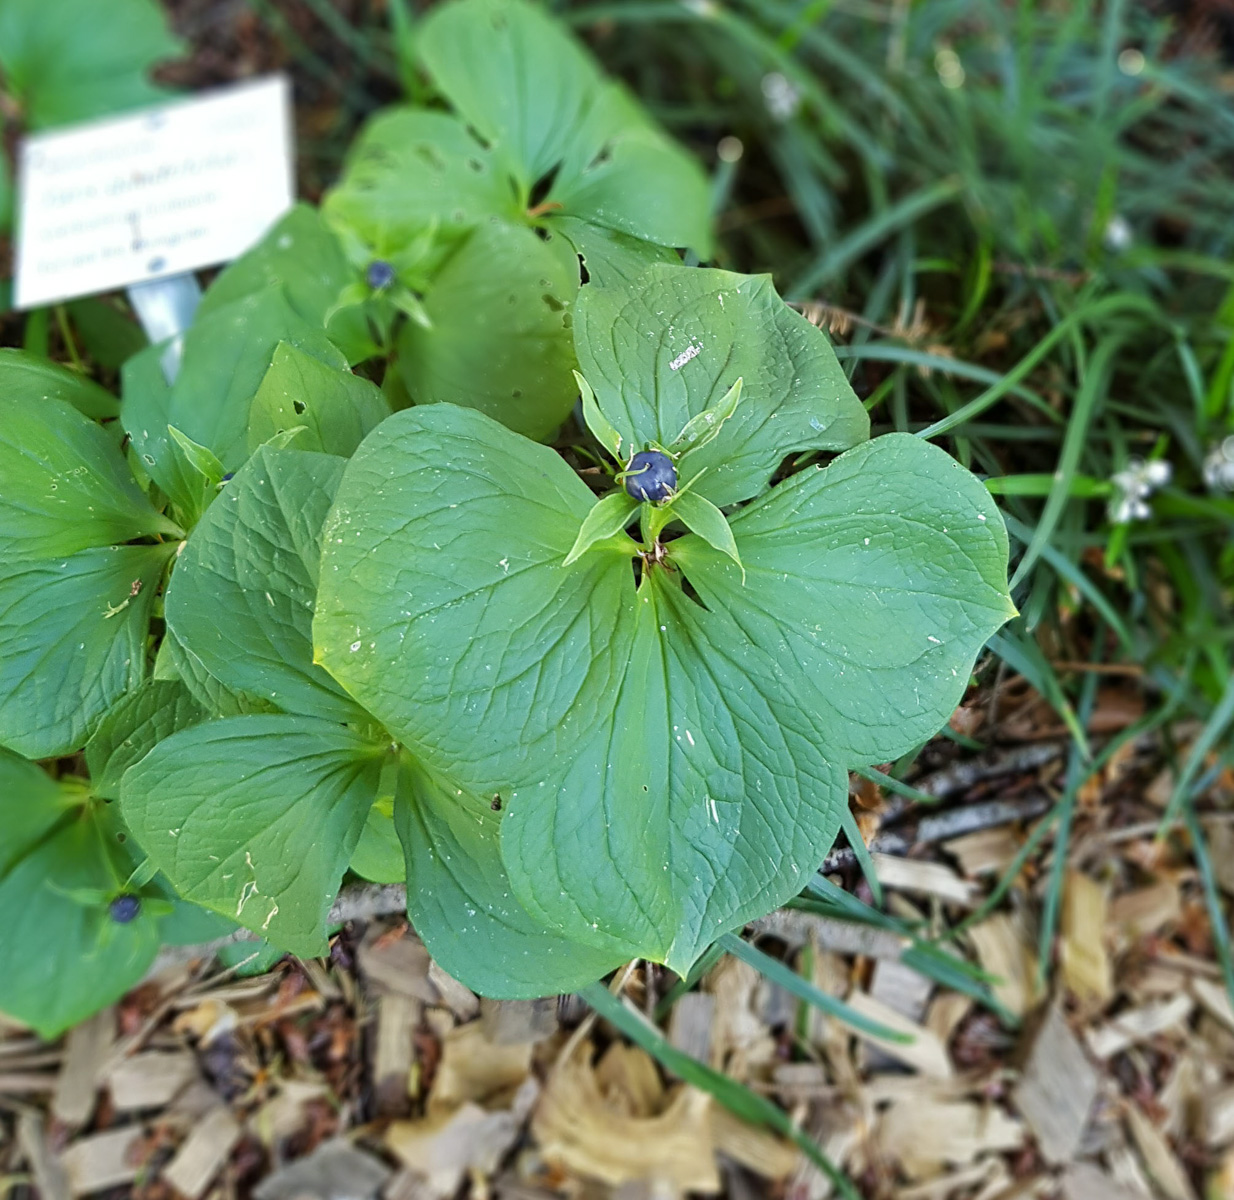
(1133, 485)
(950, 69)
(1125, 509)
(1118, 234)
(781, 96)
(1219, 467)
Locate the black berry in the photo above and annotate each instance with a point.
(650, 475)
(124, 909)
(379, 275)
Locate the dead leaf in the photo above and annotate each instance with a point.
(1056, 1090)
(739, 1039)
(1085, 963)
(924, 1053)
(1136, 1025)
(1145, 910)
(443, 1148)
(919, 877)
(630, 1081)
(1005, 954)
(85, 1059)
(336, 1170)
(396, 964)
(581, 1131)
(474, 1069)
(104, 1160)
(394, 1053)
(514, 1022)
(150, 1080)
(927, 1136)
(203, 1153)
(1159, 1160)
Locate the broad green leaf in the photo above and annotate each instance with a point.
(61, 958)
(32, 804)
(226, 355)
(191, 925)
(302, 254)
(256, 818)
(460, 901)
(392, 581)
(689, 806)
(607, 519)
(515, 362)
(703, 518)
(335, 407)
(74, 605)
(132, 728)
(63, 484)
(62, 64)
(610, 258)
(669, 346)
(241, 596)
(29, 379)
(537, 97)
(248, 959)
(872, 584)
(515, 76)
(144, 413)
(412, 170)
(72, 641)
(177, 663)
(624, 175)
(653, 799)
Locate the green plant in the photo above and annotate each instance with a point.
(585, 766)
(482, 214)
(298, 626)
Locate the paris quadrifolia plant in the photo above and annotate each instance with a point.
(332, 604)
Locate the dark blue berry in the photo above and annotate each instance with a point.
(124, 909)
(379, 274)
(650, 475)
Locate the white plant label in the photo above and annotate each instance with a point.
(151, 194)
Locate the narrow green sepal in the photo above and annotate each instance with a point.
(608, 517)
(597, 422)
(349, 297)
(661, 514)
(200, 458)
(700, 516)
(701, 429)
(408, 303)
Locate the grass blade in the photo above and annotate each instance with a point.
(877, 229)
(803, 989)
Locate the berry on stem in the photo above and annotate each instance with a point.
(124, 909)
(380, 274)
(650, 475)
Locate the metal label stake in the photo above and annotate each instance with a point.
(165, 308)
